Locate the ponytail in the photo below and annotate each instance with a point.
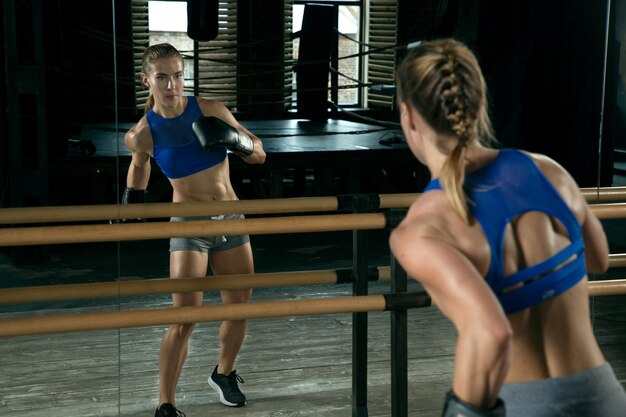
(149, 104)
(452, 178)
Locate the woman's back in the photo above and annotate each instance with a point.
(502, 241)
(554, 337)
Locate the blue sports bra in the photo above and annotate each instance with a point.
(176, 149)
(512, 184)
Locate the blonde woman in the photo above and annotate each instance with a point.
(188, 137)
(502, 241)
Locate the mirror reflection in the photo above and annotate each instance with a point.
(312, 86)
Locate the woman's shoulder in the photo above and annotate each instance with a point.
(541, 160)
(547, 165)
(430, 225)
(430, 215)
(560, 179)
(138, 138)
(211, 107)
(217, 109)
(554, 171)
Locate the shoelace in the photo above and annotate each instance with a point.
(178, 413)
(233, 378)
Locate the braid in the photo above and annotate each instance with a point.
(456, 111)
(453, 101)
(443, 82)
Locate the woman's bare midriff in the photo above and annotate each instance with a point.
(211, 184)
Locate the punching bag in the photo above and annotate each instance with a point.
(202, 19)
(312, 70)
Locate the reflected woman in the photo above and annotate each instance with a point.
(195, 161)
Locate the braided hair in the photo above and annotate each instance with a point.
(443, 81)
(152, 54)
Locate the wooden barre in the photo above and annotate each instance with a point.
(152, 317)
(107, 212)
(609, 210)
(156, 210)
(42, 235)
(263, 206)
(18, 236)
(607, 287)
(617, 260)
(138, 287)
(240, 311)
(22, 295)
(604, 193)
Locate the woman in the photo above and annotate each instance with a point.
(500, 239)
(165, 133)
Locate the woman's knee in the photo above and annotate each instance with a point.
(236, 296)
(232, 328)
(182, 331)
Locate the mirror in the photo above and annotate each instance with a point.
(556, 75)
(63, 89)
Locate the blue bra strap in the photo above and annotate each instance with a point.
(574, 248)
(543, 289)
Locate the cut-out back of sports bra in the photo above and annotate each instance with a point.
(509, 186)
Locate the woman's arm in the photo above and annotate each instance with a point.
(258, 155)
(139, 169)
(219, 110)
(596, 244)
(484, 334)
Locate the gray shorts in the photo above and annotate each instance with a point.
(209, 243)
(594, 392)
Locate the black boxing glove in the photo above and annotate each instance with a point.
(134, 196)
(455, 407)
(211, 132)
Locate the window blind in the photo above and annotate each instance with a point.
(141, 39)
(288, 56)
(217, 59)
(381, 41)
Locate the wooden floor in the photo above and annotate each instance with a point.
(298, 366)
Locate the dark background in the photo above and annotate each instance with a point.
(544, 62)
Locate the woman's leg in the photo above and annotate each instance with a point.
(237, 260)
(174, 346)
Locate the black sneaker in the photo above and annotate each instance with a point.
(168, 410)
(226, 386)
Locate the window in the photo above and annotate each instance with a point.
(211, 67)
(344, 83)
(349, 59)
(364, 55)
(167, 23)
(365, 51)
